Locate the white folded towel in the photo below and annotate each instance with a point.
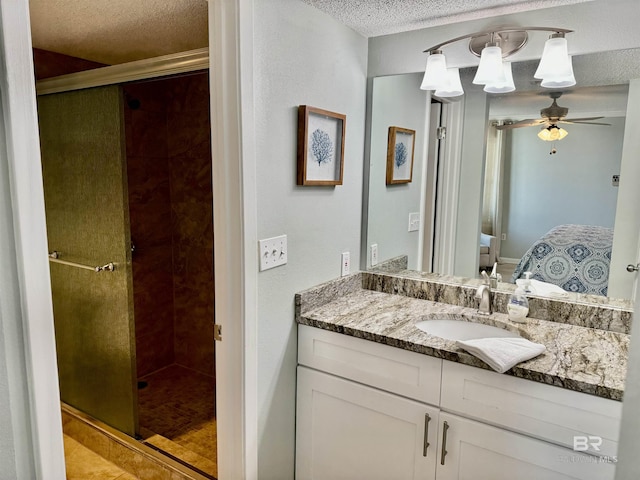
(502, 353)
(546, 289)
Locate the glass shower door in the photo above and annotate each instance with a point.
(84, 171)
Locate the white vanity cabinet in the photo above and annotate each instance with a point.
(369, 411)
(477, 451)
(362, 409)
(349, 431)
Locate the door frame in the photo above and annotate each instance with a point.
(33, 375)
(231, 50)
(236, 240)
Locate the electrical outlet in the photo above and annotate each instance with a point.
(346, 264)
(615, 181)
(414, 222)
(374, 254)
(273, 252)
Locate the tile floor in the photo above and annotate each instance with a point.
(84, 464)
(177, 415)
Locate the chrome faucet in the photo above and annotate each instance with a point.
(483, 293)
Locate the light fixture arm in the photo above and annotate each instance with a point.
(497, 31)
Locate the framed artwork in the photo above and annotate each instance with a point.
(400, 148)
(320, 146)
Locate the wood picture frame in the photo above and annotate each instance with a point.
(320, 146)
(400, 152)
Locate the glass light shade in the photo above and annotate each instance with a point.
(552, 133)
(490, 69)
(435, 73)
(555, 61)
(453, 86)
(504, 87)
(553, 81)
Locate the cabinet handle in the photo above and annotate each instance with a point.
(425, 443)
(445, 427)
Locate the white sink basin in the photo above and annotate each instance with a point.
(461, 330)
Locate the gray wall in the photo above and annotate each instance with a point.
(302, 56)
(397, 101)
(571, 186)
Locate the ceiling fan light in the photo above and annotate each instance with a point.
(504, 87)
(555, 61)
(490, 69)
(435, 73)
(453, 86)
(552, 133)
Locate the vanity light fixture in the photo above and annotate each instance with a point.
(452, 86)
(493, 46)
(552, 133)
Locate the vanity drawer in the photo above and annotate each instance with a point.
(405, 373)
(543, 411)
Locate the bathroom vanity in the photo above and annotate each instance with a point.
(379, 398)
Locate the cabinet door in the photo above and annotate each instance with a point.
(346, 430)
(476, 451)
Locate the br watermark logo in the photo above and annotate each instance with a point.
(582, 443)
(585, 443)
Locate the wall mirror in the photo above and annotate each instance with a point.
(537, 185)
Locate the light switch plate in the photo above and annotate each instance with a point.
(273, 252)
(346, 264)
(414, 221)
(374, 254)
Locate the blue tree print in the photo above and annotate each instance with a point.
(321, 146)
(401, 154)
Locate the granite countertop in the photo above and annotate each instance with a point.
(580, 358)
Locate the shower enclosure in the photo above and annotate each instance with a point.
(127, 180)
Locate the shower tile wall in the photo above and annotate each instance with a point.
(169, 167)
(189, 148)
(150, 214)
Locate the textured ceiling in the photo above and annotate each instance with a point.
(373, 18)
(118, 31)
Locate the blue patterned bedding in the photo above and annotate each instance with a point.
(574, 257)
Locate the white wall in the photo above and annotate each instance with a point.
(397, 101)
(30, 417)
(302, 56)
(629, 442)
(14, 422)
(625, 242)
(572, 186)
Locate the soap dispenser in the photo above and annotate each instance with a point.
(525, 283)
(518, 306)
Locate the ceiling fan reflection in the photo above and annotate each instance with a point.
(551, 116)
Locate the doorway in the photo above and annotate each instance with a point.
(160, 174)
